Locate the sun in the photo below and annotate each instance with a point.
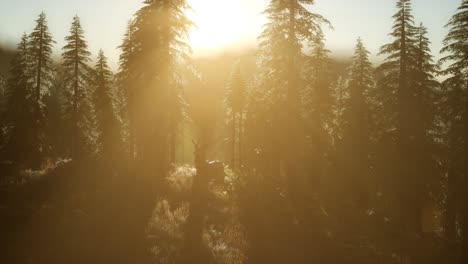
(219, 24)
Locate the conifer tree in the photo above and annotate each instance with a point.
(319, 75)
(77, 87)
(154, 48)
(396, 68)
(317, 100)
(55, 127)
(406, 91)
(290, 25)
(107, 123)
(396, 95)
(126, 83)
(19, 118)
(275, 117)
(456, 111)
(40, 48)
(355, 124)
(424, 117)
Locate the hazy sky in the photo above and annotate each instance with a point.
(221, 23)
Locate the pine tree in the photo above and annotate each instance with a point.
(396, 93)
(19, 118)
(40, 46)
(456, 112)
(395, 69)
(55, 140)
(107, 123)
(127, 83)
(319, 75)
(406, 91)
(77, 87)
(290, 25)
(275, 117)
(154, 49)
(317, 99)
(355, 124)
(424, 127)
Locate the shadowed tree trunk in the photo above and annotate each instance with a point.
(451, 207)
(464, 246)
(233, 150)
(239, 148)
(194, 250)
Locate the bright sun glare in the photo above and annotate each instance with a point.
(216, 29)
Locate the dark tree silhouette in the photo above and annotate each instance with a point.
(354, 144)
(108, 128)
(40, 45)
(317, 98)
(407, 85)
(126, 82)
(396, 81)
(77, 86)
(456, 111)
(19, 114)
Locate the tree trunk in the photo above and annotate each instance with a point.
(464, 242)
(451, 208)
(194, 251)
(464, 246)
(233, 143)
(76, 129)
(37, 107)
(173, 137)
(239, 148)
(291, 118)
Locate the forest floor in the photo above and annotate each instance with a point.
(76, 215)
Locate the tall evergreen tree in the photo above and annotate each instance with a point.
(317, 99)
(279, 124)
(19, 116)
(319, 90)
(407, 93)
(77, 87)
(107, 123)
(456, 111)
(424, 128)
(290, 24)
(153, 49)
(397, 91)
(396, 96)
(55, 127)
(354, 146)
(126, 83)
(40, 46)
